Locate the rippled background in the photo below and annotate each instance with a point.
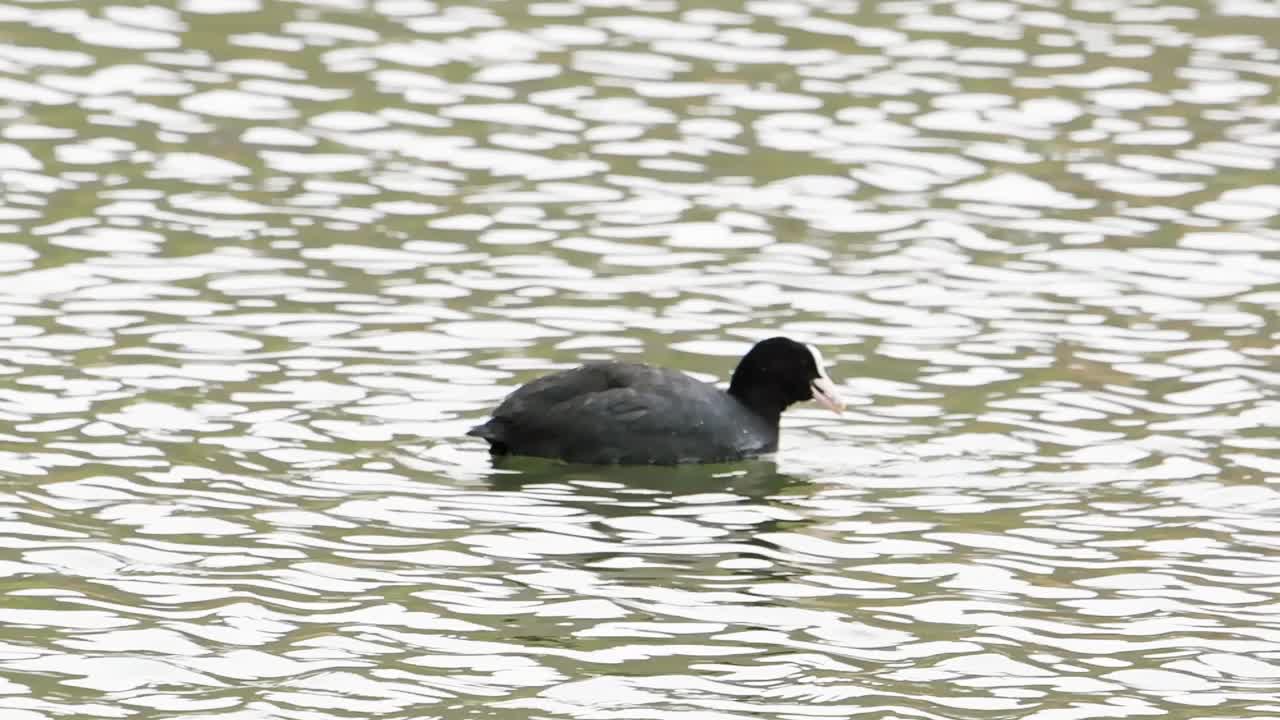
(262, 263)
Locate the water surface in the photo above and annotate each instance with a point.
(261, 264)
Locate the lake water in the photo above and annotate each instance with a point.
(263, 263)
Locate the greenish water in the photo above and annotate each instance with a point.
(263, 263)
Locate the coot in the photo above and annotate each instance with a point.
(614, 413)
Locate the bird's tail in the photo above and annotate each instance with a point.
(492, 433)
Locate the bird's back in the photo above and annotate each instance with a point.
(624, 413)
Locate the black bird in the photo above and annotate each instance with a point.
(613, 413)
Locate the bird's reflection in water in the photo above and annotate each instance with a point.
(619, 490)
(622, 500)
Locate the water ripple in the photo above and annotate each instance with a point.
(263, 264)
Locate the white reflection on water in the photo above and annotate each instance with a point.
(258, 278)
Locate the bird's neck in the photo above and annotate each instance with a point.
(767, 405)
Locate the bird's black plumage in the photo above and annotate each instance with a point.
(627, 413)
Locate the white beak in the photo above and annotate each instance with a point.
(826, 395)
(824, 391)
